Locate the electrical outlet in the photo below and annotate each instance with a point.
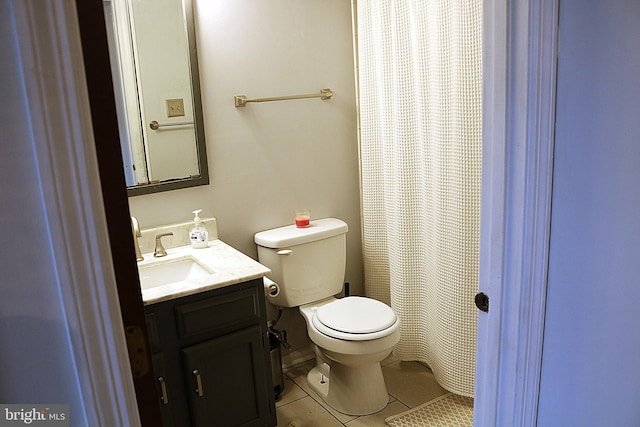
(175, 107)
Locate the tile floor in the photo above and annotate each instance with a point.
(410, 384)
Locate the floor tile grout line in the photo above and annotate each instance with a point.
(297, 372)
(291, 401)
(322, 404)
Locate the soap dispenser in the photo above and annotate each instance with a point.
(198, 234)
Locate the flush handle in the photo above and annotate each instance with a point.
(198, 383)
(284, 252)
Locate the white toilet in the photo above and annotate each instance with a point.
(352, 334)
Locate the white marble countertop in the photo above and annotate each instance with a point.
(229, 267)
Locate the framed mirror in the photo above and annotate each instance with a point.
(155, 75)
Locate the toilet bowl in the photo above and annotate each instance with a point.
(348, 375)
(352, 335)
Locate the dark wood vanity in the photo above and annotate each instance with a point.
(211, 358)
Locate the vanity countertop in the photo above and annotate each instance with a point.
(229, 265)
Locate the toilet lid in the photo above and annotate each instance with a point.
(356, 315)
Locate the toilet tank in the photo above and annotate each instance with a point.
(308, 264)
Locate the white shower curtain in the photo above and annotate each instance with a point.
(420, 83)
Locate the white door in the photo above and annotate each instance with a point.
(519, 73)
(591, 353)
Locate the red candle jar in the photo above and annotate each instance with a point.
(303, 217)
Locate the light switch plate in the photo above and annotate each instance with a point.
(175, 107)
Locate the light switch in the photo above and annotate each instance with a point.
(175, 107)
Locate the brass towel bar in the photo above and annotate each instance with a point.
(241, 100)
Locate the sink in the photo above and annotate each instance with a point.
(171, 271)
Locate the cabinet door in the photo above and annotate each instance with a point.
(227, 380)
(165, 394)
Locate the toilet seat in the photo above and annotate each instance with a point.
(355, 319)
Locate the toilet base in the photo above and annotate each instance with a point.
(348, 389)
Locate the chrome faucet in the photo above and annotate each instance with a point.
(160, 251)
(135, 229)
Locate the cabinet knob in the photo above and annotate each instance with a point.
(198, 383)
(163, 388)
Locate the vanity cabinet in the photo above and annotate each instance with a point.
(211, 358)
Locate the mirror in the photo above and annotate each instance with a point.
(155, 74)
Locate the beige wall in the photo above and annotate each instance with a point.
(268, 158)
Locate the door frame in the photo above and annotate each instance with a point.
(47, 34)
(104, 120)
(519, 74)
(519, 44)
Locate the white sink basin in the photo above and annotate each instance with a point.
(171, 271)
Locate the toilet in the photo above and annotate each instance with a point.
(352, 335)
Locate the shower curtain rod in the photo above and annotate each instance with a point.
(241, 100)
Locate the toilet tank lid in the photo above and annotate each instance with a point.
(291, 235)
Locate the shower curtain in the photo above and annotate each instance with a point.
(420, 88)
